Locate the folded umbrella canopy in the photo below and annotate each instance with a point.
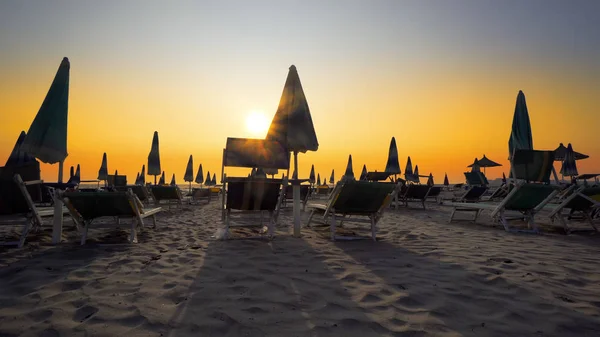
(332, 177)
(173, 183)
(208, 181)
(349, 174)
(47, 135)
(393, 165)
(154, 158)
(416, 175)
(161, 181)
(311, 176)
(213, 182)
(18, 156)
(430, 180)
(318, 179)
(363, 173)
(520, 135)
(446, 182)
(142, 176)
(103, 171)
(569, 166)
(189, 172)
(200, 175)
(475, 167)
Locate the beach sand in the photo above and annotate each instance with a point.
(424, 277)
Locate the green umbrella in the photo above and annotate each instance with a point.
(200, 175)
(520, 135)
(154, 158)
(47, 135)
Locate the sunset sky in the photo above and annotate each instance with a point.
(441, 76)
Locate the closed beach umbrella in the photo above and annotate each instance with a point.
(143, 175)
(446, 182)
(137, 178)
(475, 166)
(189, 172)
(71, 172)
(520, 136)
(260, 173)
(78, 172)
(561, 150)
(393, 165)
(214, 179)
(47, 135)
(292, 126)
(503, 178)
(408, 171)
(349, 174)
(18, 156)
(103, 171)
(311, 176)
(162, 179)
(207, 182)
(430, 180)
(569, 167)
(417, 179)
(318, 179)
(173, 183)
(154, 158)
(200, 175)
(332, 177)
(363, 173)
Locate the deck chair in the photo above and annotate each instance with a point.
(415, 193)
(140, 191)
(17, 207)
(304, 195)
(85, 207)
(199, 194)
(171, 194)
(253, 195)
(580, 202)
(500, 193)
(356, 198)
(434, 193)
(476, 179)
(532, 191)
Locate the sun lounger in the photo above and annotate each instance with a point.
(85, 207)
(355, 198)
(434, 193)
(253, 195)
(170, 194)
(532, 191)
(304, 194)
(476, 179)
(140, 191)
(415, 193)
(200, 194)
(580, 202)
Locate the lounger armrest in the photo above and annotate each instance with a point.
(33, 182)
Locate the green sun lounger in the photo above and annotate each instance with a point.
(581, 202)
(356, 199)
(170, 194)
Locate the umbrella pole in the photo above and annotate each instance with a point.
(57, 220)
(154, 179)
(296, 191)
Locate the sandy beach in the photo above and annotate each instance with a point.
(424, 277)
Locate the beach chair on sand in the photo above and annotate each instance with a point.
(356, 199)
(171, 194)
(415, 193)
(529, 195)
(85, 207)
(17, 207)
(253, 195)
(581, 202)
(199, 194)
(140, 191)
(304, 194)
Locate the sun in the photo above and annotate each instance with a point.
(257, 123)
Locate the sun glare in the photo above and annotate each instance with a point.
(257, 123)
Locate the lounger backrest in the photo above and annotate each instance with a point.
(418, 192)
(29, 171)
(140, 191)
(529, 196)
(253, 194)
(361, 197)
(586, 198)
(117, 180)
(475, 178)
(289, 191)
(91, 205)
(532, 165)
(434, 191)
(164, 192)
(474, 194)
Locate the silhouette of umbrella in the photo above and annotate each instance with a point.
(318, 179)
(189, 172)
(520, 136)
(18, 156)
(47, 135)
(142, 176)
(561, 150)
(292, 126)
(214, 179)
(332, 177)
(363, 174)
(503, 178)
(393, 166)
(446, 182)
(154, 158)
(569, 166)
(103, 171)
(475, 167)
(207, 181)
(430, 180)
(311, 176)
(173, 183)
(417, 179)
(485, 162)
(162, 179)
(408, 171)
(200, 176)
(349, 174)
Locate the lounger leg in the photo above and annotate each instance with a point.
(452, 214)
(503, 221)
(531, 222)
(333, 226)
(24, 233)
(227, 219)
(133, 237)
(563, 221)
(477, 213)
(84, 232)
(342, 220)
(154, 221)
(590, 220)
(312, 213)
(373, 229)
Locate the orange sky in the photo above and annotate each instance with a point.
(444, 104)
